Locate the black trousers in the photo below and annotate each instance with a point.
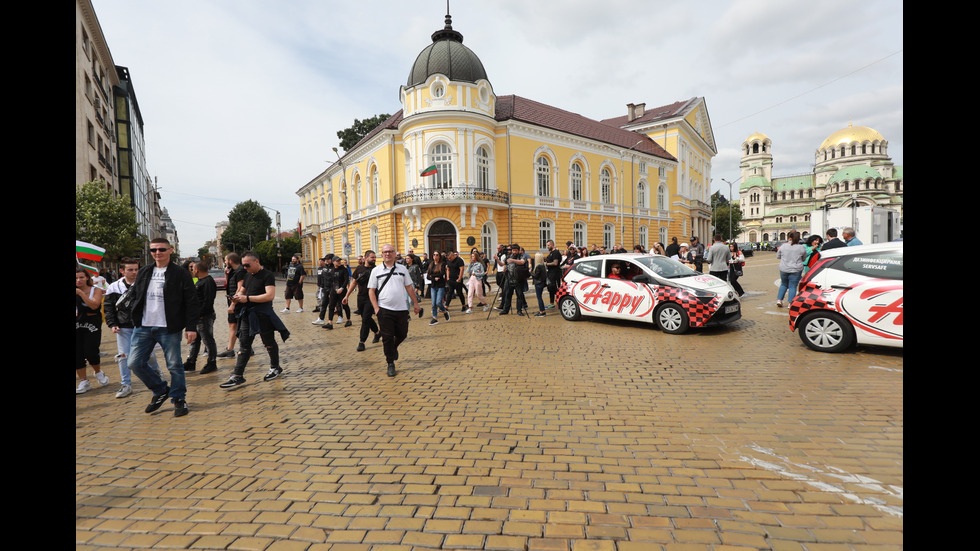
(366, 311)
(455, 288)
(245, 339)
(394, 329)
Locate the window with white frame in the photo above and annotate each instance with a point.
(482, 168)
(375, 246)
(641, 195)
(608, 236)
(488, 236)
(442, 157)
(543, 175)
(357, 192)
(375, 186)
(663, 235)
(546, 232)
(605, 187)
(579, 234)
(662, 197)
(576, 181)
(644, 238)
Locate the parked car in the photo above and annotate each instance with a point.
(852, 295)
(652, 289)
(747, 249)
(219, 278)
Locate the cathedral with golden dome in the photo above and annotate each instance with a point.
(851, 168)
(459, 167)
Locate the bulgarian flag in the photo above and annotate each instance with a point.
(88, 251)
(429, 171)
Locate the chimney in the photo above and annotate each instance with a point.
(634, 111)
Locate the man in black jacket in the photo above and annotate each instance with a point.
(206, 290)
(166, 304)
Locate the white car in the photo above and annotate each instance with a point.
(852, 295)
(648, 288)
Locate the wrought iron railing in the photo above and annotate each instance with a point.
(451, 195)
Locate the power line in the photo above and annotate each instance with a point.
(828, 83)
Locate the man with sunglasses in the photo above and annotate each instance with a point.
(166, 303)
(389, 288)
(257, 292)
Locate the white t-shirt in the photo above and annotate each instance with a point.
(392, 297)
(154, 314)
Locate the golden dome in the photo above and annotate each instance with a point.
(757, 136)
(852, 134)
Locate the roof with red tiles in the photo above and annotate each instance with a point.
(514, 107)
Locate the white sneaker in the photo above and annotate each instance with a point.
(284, 311)
(102, 378)
(83, 387)
(318, 321)
(299, 311)
(469, 311)
(124, 390)
(340, 319)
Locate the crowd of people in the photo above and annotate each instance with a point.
(150, 306)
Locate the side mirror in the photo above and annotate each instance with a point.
(641, 278)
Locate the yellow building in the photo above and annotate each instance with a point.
(504, 169)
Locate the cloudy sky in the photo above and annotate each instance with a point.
(242, 99)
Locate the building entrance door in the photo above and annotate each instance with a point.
(442, 237)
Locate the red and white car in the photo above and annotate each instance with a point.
(852, 295)
(650, 288)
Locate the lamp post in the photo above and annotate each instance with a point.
(730, 206)
(343, 193)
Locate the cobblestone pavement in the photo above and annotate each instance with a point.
(510, 433)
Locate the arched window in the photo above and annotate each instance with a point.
(546, 232)
(375, 186)
(579, 234)
(482, 168)
(576, 181)
(662, 197)
(442, 157)
(641, 196)
(375, 246)
(329, 208)
(608, 236)
(543, 176)
(488, 237)
(605, 187)
(357, 192)
(644, 237)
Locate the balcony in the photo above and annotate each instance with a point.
(451, 195)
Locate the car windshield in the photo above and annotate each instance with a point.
(666, 267)
(215, 273)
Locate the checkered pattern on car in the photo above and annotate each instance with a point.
(697, 311)
(562, 291)
(809, 298)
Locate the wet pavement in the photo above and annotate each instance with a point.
(509, 433)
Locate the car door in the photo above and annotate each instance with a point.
(870, 291)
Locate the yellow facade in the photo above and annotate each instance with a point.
(508, 169)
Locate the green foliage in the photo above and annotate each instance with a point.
(269, 255)
(107, 221)
(248, 225)
(350, 136)
(720, 219)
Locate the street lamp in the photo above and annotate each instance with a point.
(343, 193)
(730, 206)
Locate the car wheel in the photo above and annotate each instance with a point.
(826, 332)
(569, 309)
(671, 318)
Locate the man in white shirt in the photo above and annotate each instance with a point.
(166, 304)
(388, 286)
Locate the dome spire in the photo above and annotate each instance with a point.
(447, 32)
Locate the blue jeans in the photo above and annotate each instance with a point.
(788, 281)
(141, 346)
(539, 291)
(124, 340)
(438, 294)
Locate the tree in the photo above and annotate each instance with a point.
(107, 221)
(350, 136)
(248, 225)
(269, 254)
(720, 219)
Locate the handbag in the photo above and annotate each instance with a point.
(124, 306)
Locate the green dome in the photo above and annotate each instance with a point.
(856, 172)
